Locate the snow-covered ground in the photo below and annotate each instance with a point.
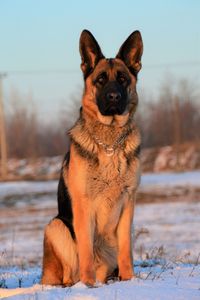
(24, 188)
(149, 182)
(160, 281)
(162, 187)
(166, 247)
(171, 179)
(166, 184)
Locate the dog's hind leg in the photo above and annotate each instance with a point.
(60, 262)
(52, 268)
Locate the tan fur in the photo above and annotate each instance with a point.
(103, 209)
(60, 267)
(103, 202)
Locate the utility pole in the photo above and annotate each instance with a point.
(177, 131)
(3, 146)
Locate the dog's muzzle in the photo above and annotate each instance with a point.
(112, 101)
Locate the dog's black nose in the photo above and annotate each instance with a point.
(114, 97)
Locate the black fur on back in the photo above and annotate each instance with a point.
(64, 201)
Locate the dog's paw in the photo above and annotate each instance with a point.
(128, 275)
(68, 283)
(89, 282)
(88, 278)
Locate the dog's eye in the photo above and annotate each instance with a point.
(101, 79)
(121, 78)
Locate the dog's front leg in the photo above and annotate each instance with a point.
(125, 259)
(83, 227)
(82, 216)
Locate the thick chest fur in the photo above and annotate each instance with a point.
(106, 186)
(103, 182)
(112, 183)
(111, 177)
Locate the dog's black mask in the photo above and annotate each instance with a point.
(111, 99)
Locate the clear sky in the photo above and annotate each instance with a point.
(39, 35)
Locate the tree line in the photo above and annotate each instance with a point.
(171, 117)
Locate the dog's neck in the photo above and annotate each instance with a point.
(91, 134)
(107, 134)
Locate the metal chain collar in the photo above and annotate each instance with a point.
(110, 149)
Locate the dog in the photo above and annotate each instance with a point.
(90, 238)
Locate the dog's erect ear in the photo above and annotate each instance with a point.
(131, 52)
(90, 52)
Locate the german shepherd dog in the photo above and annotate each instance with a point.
(90, 238)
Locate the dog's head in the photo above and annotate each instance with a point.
(110, 84)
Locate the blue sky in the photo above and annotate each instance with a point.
(44, 35)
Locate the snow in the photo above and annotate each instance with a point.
(18, 188)
(157, 282)
(182, 186)
(148, 181)
(166, 243)
(171, 179)
(32, 168)
(173, 226)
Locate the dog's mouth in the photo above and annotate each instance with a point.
(113, 114)
(112, 109)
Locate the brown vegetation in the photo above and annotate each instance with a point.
(171, 119)
(174, 118)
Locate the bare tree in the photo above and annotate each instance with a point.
(172, 118)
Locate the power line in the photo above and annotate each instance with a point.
(38, 72)
(69, 71)
(175, 64)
